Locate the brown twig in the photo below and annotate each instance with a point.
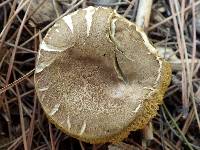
(51, 137)
(171, 17)
(180, 48)
(21, 117)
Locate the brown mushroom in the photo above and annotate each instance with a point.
(97, 76)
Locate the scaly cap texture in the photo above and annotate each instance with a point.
(98, 77)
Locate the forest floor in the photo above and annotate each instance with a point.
(173, 28)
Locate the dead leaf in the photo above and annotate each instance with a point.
(41, 11)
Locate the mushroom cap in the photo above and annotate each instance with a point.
(98, 77)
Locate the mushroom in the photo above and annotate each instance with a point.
(98, 77)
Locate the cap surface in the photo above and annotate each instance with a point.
(97, 76)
